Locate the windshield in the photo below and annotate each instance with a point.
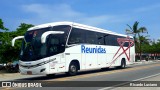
(32, 48)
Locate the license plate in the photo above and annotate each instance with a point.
(29, 72)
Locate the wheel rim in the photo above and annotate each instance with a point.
(123, 65)
(73, 68)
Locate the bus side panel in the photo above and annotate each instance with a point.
(102, 60)
(73, 53)
(57, 65)
(132, 55)
(112, 59)
(116, 57)
(91, 58)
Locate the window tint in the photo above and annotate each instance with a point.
(55, 45)
(84, 36)
(65, 28)
(127, 43)
(76, 36)
(112, 40)
(101, 38)
(109, 40)
(91, 37)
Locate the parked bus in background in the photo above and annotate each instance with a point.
(68, 47)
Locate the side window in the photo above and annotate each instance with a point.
(54, 45)
(126, 44)
(65, 28)
(76, 36)
(120, 38)
(107, 39)
(91, 37)
(111, 40)
(101, 38)
(115, 41)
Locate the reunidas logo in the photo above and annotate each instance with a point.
(97, 49)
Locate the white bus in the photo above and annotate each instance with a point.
(69, 47)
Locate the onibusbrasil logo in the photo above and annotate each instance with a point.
(21, 84)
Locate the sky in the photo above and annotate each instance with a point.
(113, 15)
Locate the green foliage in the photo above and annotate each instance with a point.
(7, 52)
(2, 26)
(135, 30)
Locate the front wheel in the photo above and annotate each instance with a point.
(73, 68)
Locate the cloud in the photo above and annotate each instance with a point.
(42, 13)
(51, 12)
(105, 19)
(147, 8)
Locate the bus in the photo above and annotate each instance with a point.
(71, 47)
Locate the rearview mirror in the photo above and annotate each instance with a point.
(14, 39)
(45, 34)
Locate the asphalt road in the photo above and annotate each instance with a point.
(96, 78)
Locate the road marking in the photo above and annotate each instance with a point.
(102, 73)
(97, 74)
(129, 82)
(147, 77)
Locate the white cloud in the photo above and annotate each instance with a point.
(148, 8)
(64, 12)
(49, 12)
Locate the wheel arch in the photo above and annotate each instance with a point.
(75, 61)
(123, 60)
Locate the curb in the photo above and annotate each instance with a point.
(146, 62)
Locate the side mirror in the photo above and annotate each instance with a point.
(14, 39)
(45, 34)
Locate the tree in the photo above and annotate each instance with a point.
(20, 31)
(2, 29)
(145, 44)
(144, 39)
(7, 52)
(134, 30)
(2, 26)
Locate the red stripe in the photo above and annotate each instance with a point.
(123, 40)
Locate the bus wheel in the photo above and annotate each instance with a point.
(50, 75)
(104, 69)
(73, 68)
(123, 64)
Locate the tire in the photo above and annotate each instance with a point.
(73, 68)
(123, 64)
(104, 69)
(50, 75)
